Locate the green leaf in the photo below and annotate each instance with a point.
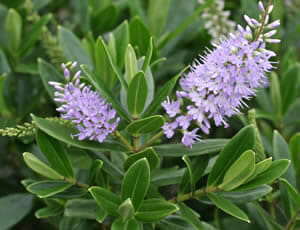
(49, 211)
(155, 209)
(148, 57)
(177, 150)
(104, 70)
(197, 167)
(4, 66)
(137, 94)
(260, 167)
(239, 172)
(139, 36)
(146, 125)
(73, 192)
(228, 207)
(276, 94)
(190, 215)
(47, 188)
(119, 224)
(121, 34)
(13, 209)
(294, 146)
(105, 19)
(277, 168)
(72, 47)
(81, 208)
(288, 87)
(106, 199)
(148, 153)
(291, 117)
(162, 94)
(136, 182)
(126, 210)
(245, 196)
(241, 142)
(175, 222)
(34, 34)
(40, 167)
(63, 133)
(13, 28)
(49, 73)
(188, 163)
(55, 154)
(292, 191)
(131, 66)
(105, 92)
(157, 15)
(167, 176)
(94, 172)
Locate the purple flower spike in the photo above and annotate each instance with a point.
(172, 108)
(95, 119)
(169, 129)
(261, 6)
(189, 138)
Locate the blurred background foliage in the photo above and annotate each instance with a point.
(36, 36)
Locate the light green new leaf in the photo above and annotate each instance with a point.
(47, 188)
(121, 34)
(241, 142)
(40, 167)
(106, 199)
(294, 146)
(126, 210)
(239, 172)
(13, 28)
(49, 211)
(155, 209)
(292, 191)
(146, 125)
(136, 182)
(157, 15)
(260, 167)
(276, 94)
(81, 208)
(137, 94)
(119, 224)
(228, 207)
(131, 66)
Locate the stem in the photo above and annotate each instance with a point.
(136, 143)
(263, 21)
(73, 181)
(151, 141)
(197, 193)
(292, 221)
(123, 140)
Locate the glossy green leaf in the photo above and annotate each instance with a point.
(148, 57)
(103, 65)
(13, 208)
(260, 167)
(139, 36)
(294, 146)
(277, 168)
(239, 172)
(49, 73)
(241, 142)
(167, 176)
(49, 211)
(73, 192)
(94, 172)
(197, 167)
(40, 167)
(175, 222)
(188, 163)
(276, 94)
(47, 188)
(106, 199)
(81, 208)
(245, 196)
(63, 133)
(72, 47)
(34, 34)
(148, 153)
(105, 92)
(228, 207)
(131, 66)
(157, 15)
(191, 216)
(146, 125)
(162, 94)
(137, 94)
(121, 34)
(136, 182)
(126, 210)
(119, 224)
(292, 191)
(155, 209)
(104, 19)
(288, 87)
(13, 28)
(55, 154)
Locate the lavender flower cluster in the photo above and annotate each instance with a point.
(95, 119)
(220, 82)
